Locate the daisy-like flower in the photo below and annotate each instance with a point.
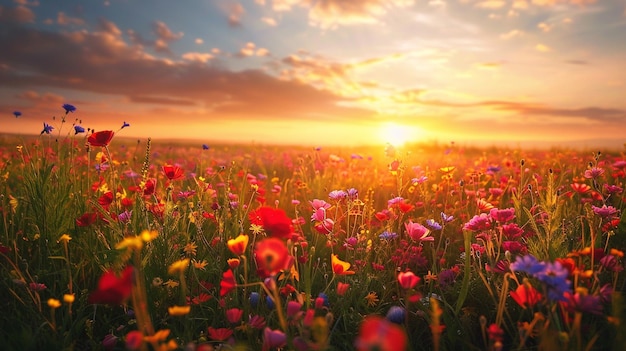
(191, 248)
(372, 299)
(238, 245)
(178, 267)
(199, 264)
(177, 311)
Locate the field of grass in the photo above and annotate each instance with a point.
(111, 244)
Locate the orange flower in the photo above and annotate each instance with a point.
(238, 245)
(272, 257)
(340, 267)
(178, 310)
(102, 138)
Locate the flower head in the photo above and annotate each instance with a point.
(418, 232)
(238, 245)
(113, 290)
(273, 339)
(219, 334)
(525, 295)
(173, 172)
(271, 256)
(275, 222)
(176, 311)
(124, 125)
(340, 267)
(101, 138)
(46, 128)
(408, 280)
(377, 333)
(78, 129)
(69, 108)
(17, 114)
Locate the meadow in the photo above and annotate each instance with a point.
(108, 243)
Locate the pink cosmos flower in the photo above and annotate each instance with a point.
(418, 232)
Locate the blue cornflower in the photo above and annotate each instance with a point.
(205, 147)
(270, 302)
(124, 125)
(528, 264)
(254, 299)
(386, 235)
(46, 128)
(433, 225)
(78, 129)
(396, 314)
(17, 113)
(69, 108)
(554, 276)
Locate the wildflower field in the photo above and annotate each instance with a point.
(108, 243)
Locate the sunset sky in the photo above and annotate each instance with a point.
(315, 72)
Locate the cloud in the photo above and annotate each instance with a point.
(103, 63)
(269, 21)
(559, 2)
(202, 57)
(162, 31)
(65, 20)
(199, 41)
(491, 4)
(515, 33)
(542, 48)
(19, 14)
(40, 99)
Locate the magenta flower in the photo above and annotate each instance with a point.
(478, 223)
(593, 173)
(606, 212)
(502, 216)
(273, 339)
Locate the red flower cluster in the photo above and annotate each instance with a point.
(113, 290)
(274, 221)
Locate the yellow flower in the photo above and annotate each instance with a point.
(54, 303)
(256, 229)
(13, 202)
(190, 248)
(178, 310)
(149, 235)
(199, 265)
(372, 299)
(179, 266)
(238, 245)
(68, 298)
(65, 238)
(171, 284)
(130, 242)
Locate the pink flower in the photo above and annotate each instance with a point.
(418, 232)
(233, 315)
(502, 216)
(273, 339)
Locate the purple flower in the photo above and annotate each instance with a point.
(125, 216)
(433, 225)
(124, 125)
(254, 299)
(527, 264)
(78, 129)
(583, 302)
(610, 263)
(273, 339)
(419, 180)
(613, 189)
(17, 113)
(593, 173)
(352, 193)
(69, 108)
(396, 200)
(606, 212)
(205, 147)
(386, 235)
(337, 195)
(46, 128)
(445, 218)
(493, 169)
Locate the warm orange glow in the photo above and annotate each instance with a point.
(398, 134)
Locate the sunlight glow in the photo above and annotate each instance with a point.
(398, 134)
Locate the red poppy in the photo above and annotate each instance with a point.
(272, 257)
(101, 138)
(274, 221)
(228, 283)
(408, 280)
(149, 186)
(377, 333)
(113, 290)
(525, 295)
(86, 219)
(106, 199)
(219, 334)
(173, 172)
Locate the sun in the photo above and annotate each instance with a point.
(397, 134)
